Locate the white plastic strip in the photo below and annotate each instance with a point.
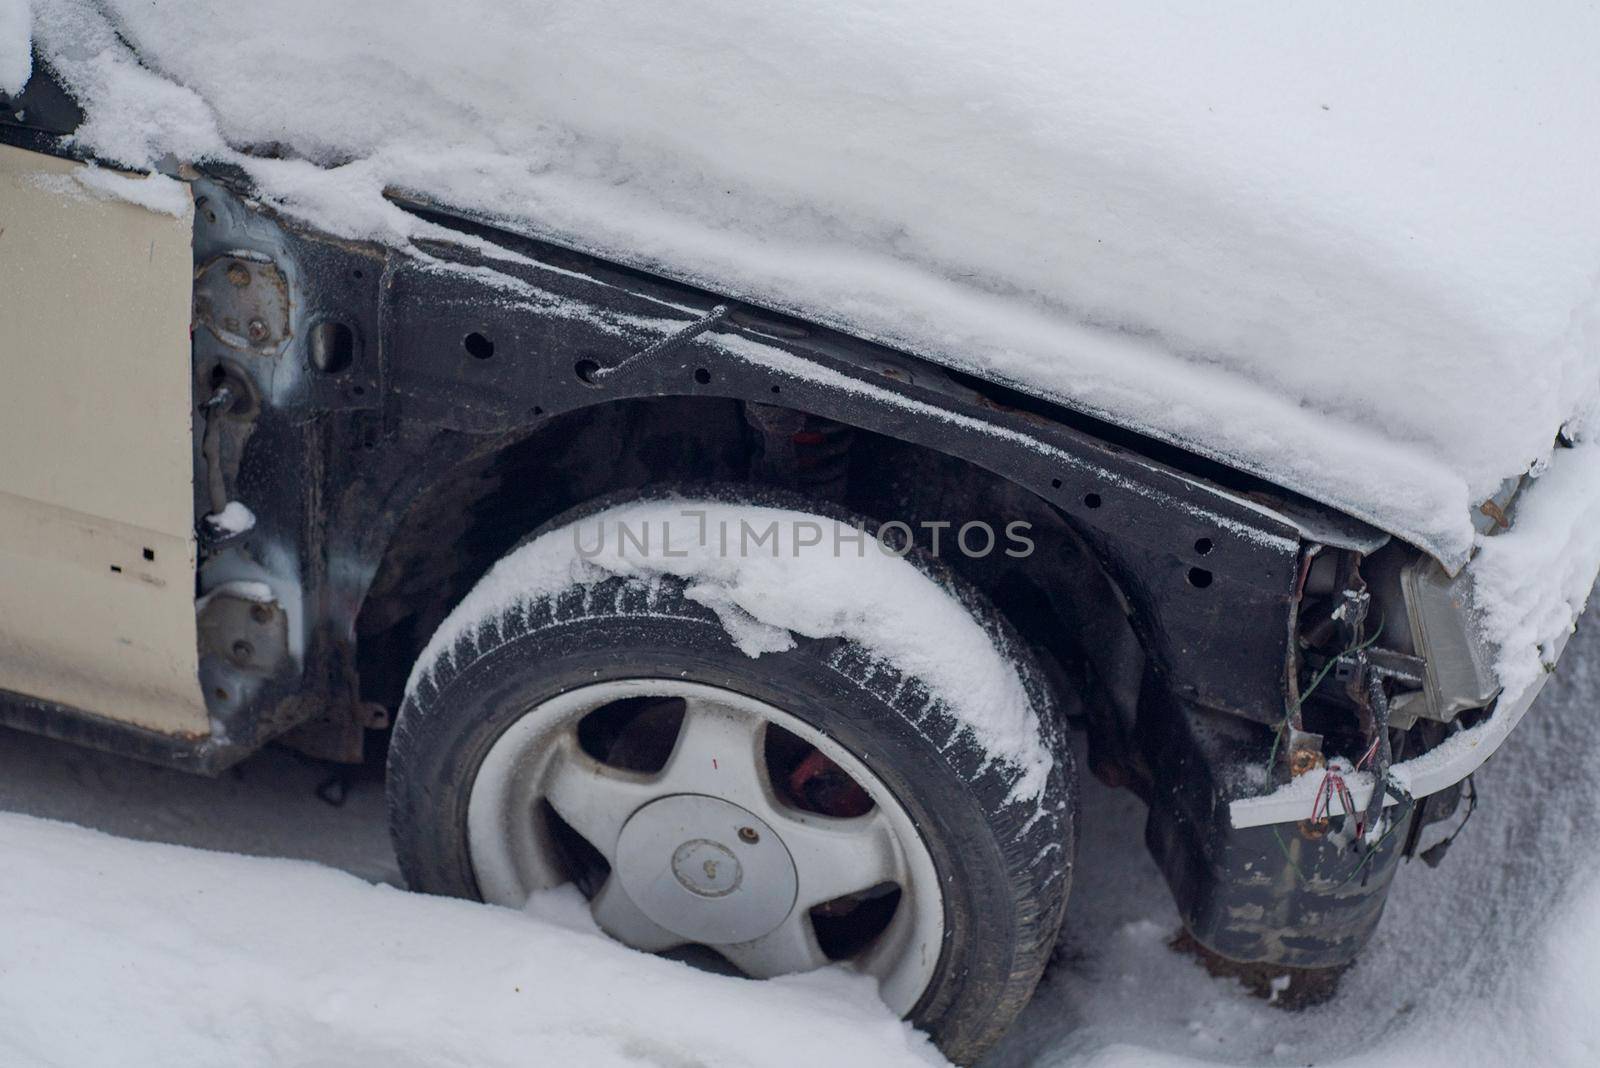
(1449, 763)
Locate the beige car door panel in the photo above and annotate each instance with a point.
(97, 546)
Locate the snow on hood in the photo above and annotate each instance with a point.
(1354, 250)
(16, 62)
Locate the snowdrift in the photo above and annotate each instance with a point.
(119, 952)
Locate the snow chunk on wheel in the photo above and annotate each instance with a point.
(771, 572)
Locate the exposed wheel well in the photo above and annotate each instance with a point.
(453, 532)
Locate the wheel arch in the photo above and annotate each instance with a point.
(461, 517)
(486, 346)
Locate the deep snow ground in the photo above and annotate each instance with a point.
(1493, 958)
(138, 954)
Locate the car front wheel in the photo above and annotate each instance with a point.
(808, 806)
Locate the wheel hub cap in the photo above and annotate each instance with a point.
(706, 869)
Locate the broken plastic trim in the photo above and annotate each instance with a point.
(1447, 764)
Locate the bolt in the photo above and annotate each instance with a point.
(748, 834)
(238, 274)
(1303, 760)
(243, 650)
(257, 330)
(1313, 829)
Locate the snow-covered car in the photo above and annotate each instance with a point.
(752, 579)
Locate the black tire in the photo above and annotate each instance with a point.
(1004, 867)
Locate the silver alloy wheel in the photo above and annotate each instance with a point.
(704, 851)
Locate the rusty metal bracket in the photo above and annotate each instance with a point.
(250, 635)
(244, 300)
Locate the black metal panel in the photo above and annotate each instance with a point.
(1299, 895)
(39, 117)
(1210, 574)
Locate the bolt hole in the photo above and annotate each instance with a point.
(1091, 500)
(357, 273)
(333, 347)
(776, 389)
(585, 370)
(478, 346)
(1199, 578)
(149, 554)
(1055, 483)
(116, 569)
(702, 376)
(357, 390)
(537, 410)
(1203, 546)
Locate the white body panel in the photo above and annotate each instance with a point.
(97, 550)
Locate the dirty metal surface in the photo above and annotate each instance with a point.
(243, 299)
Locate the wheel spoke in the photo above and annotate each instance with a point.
(638, 822)
(834, 857)
(792, 947)
(594, 798)
(620, 918)
(719, 752)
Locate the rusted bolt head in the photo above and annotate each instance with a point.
(261, 613)
(257, 330)
(243, 650)
(748, 834)
(238, 274)
(1303, 760)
